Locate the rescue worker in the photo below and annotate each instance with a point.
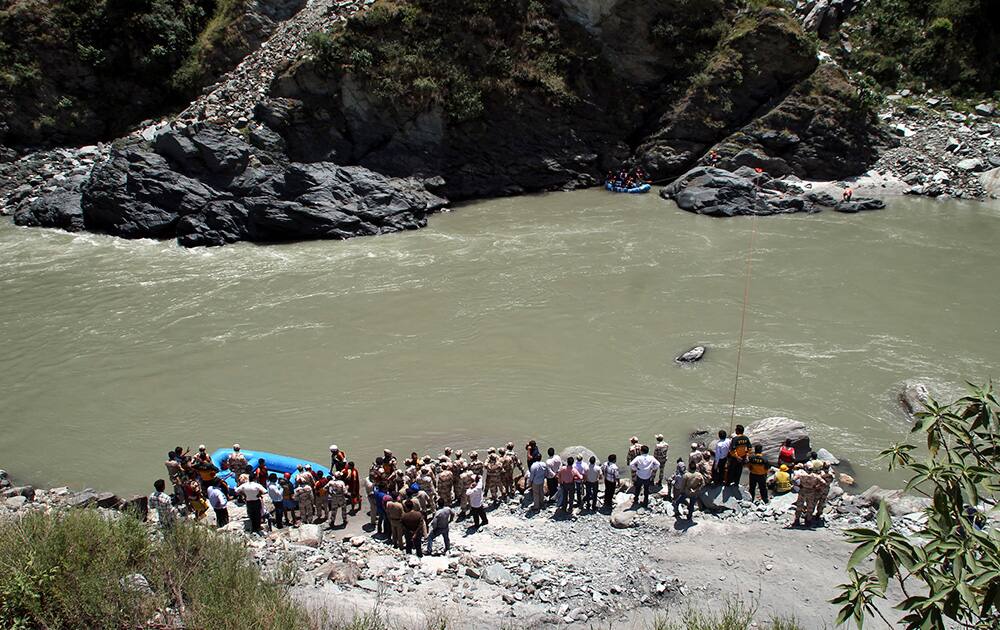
(757, 467)
(739, 451)
(494, 474)
(809, 483)
(781, 481)
(304, 497)
(394, 512)
(823, 490)
(338, 459)
(660, 455)
(634, 450)
(446, 482)
(338, 497)
(237, 463)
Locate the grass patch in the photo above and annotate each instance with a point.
(736, 614)
(72, 570)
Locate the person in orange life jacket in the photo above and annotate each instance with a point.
(260, 472)
(353, 481)
(848, 194)
(757, 467)
(787, 454)
(739, 449)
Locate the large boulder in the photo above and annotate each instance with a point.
(60, 209)
(202, 186)
(896, 501)
(715, 192)
(859, 205)
(772, 432)
(913, 396)
(308, 535)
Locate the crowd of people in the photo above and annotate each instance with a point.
(413, 502)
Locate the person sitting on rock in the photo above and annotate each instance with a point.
(848, 194)
(781, 481)
(786, 455)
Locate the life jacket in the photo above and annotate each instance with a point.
(786, 455)
(739, 446)
(782, 482)
(757, 464)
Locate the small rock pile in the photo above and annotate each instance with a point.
(941, 152)
(49, 181)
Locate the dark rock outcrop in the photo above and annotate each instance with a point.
(717, 192)
(206, 187)
(55, 210)
(763, 58)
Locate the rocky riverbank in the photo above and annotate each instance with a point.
(617, 568)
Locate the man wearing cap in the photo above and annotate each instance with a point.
(822, 489)
(515, 462)
(337, 492)
(458, 467)
(446, 481)
(809, 483)
(237, 463)
(634, 450)
(338, 459)
(660, 455)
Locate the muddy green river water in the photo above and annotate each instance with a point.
(555, 317)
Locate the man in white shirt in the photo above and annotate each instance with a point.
(721, 454)
(275, 492)
(251, 491)
(581, 469)
(611, 476)
(475, 494)
(538, 472)
(220, 504)
(591, 477)
(554, 463)
(643, 468)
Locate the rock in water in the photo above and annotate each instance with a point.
(694, 354)
(54, 210)
(859, 204)
(772, 433)
(913, 396)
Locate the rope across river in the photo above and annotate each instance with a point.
(743, 318)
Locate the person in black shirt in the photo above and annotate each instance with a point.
(739, 449)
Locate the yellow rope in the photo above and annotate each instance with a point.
(743, 318)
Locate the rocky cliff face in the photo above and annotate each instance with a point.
(358, 116)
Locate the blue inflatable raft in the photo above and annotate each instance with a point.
(635, 190)
(279, 464)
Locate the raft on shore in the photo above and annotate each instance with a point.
(279, 464)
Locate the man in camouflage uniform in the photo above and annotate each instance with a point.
(823, 489)
(660, 455)
(237, 463)
(809, 485)
(337, 495)
(458, 466)
(634, 450)
(304, 496)
(466, 480)
(446, 482)
(427, 482)
(704, 466)
(494, 474)
(475, 465)
(513, 461)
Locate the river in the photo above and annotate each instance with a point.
(554, 316)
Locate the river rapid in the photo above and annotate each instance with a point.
(554, 317)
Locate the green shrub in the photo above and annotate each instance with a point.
(70, 570)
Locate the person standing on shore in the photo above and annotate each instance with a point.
(166, 514)
(690, 487)
(352, 480)
(414, 529)
(205, 467)
(634, 450)
(611, 475)
(440, 523)
(591, 478)
(276, 494)
(554, 463)
(643, 468)
(757, 467)
(809, 483)
(567, 484)
(252, 492)
(721, 455)
(304, 499)
(822, 490)
(339, 497)
(475, 494)
(220, 504)
(739, 450)
(695, 456)
(537, 473)
(677, 481)
(660, 451)
(580, 486)
(338, 459)
(394, 512)
(446, 481)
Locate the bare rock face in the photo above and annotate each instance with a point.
(772, 433)
(207, 187)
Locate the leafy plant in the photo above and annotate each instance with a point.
(951, 569)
